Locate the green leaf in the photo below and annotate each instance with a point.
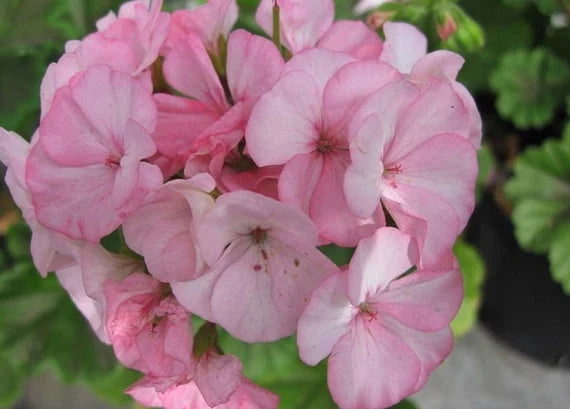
(469, 35)
(11, 382)
(487, 166)
(473, 271)
(505, 30)
(559, 256)
(547, 7)
(41, 329)
(530, 86)
(339, 255)
(540, 191)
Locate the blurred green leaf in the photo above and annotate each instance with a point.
(487, 164)
(530, 86)
(540, 191)
(473, 271)
(559, 256)
(11, 382)
(547, 7)
(40, 328)
(339, 255)
(505, 30)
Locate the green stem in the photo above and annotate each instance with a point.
(276, 26)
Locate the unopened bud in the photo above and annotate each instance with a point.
(447, 29)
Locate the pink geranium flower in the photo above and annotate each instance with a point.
(149, 330)
(384, 330)
(410, 154)
(305, 24)
(210, 22)
(86, 173)
(264, 266)
(406, 49)
(302, 124)
(129, 42)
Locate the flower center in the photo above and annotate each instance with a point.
(258, 235)
(366, 310)
(393, 170)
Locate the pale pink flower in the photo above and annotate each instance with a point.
(129, 43)
(85, 173)
(85, 277)
(303, 22)
(149, 330)
(210, 22)
(384, 330)
(301, 123)
(406, 49)
(253, 66)
(264, 266)
(259, 180)
(410, 152)
(50, 250)
(162, 229)
(188, 396)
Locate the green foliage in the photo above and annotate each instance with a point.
(473, 271)
(487, 165)
(41, 329)
(540, 191)
(429, 14)
(339, 255)
(530, 86)
(547, 7)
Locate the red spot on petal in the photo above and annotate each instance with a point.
(257, 267)
(264, 254)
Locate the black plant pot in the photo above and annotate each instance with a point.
(522, 306)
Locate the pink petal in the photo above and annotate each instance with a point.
(431, 348)
(180, 121)
(196, 295)
(378, 261)
(435, 227)
(353, 38)
(253, 67)
(217, 377)
(273, 296)
(329, 209)
(424, 300)
(162, 231)
(259, 180)
(299, 178)
(438, 110)
(349, 88)
(320, 64)
(363, 178)
(371, 367)
(325, 320)
(57, 75)
(447, 166)
(371, 133)
(476, 125)
(237, 214)
(70, 278)
(188, 68)
(284, 121)
(404, 45)
(441, 64)
(209, 22)
(303, 22)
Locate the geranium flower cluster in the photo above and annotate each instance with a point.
(224, 161)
